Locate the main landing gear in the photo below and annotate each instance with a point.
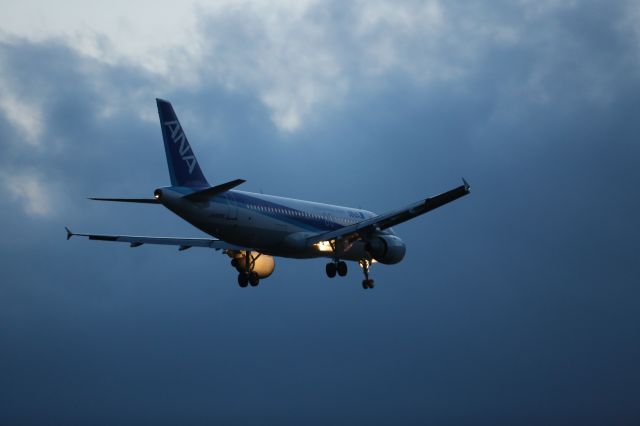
(337, 266)
(246, 279)
(247, 276)
(340, 267)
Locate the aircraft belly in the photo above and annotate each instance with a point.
(265, 234)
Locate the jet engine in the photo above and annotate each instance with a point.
(386, 249)
(261, 264)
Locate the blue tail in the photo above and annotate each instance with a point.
(183, 166)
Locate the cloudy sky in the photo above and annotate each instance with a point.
(517, 304)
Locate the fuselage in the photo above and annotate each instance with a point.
(273, 225)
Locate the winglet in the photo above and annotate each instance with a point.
(467, 187)
(69, 233)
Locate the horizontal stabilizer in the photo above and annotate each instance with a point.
(205, 194)
(128, 200)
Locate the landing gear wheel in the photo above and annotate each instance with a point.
(342, 268)
(243, 280)
(368, 283)
(254, 279)
(331, 269)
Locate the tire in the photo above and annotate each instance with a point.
(330, 269)
(367, 284)
(342, 268)
(254, 279)
(243, 280)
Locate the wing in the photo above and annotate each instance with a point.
(182, 243)
(393, 218)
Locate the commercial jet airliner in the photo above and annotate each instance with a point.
(253, 228)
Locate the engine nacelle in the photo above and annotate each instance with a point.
(261, 264)
(387, 249)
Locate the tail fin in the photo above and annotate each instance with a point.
(183, 166)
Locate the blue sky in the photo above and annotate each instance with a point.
(517, 304)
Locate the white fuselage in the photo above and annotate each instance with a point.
(273, 225)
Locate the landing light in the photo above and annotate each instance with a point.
(323, 246)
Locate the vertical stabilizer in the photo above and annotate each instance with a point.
(183, 166)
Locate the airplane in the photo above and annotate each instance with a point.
(254, 228)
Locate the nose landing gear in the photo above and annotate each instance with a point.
(367, 282)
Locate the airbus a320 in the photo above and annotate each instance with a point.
(253, 228)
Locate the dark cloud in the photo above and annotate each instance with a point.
(517, 304)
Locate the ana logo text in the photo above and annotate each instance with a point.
(177, 135)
